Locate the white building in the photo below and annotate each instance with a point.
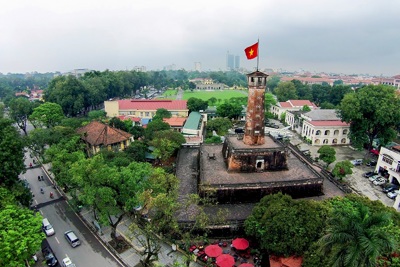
(323, 127)
(291, 105)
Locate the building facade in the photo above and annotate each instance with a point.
(145, 109)
(323, 127)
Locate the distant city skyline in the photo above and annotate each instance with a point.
(331, 36)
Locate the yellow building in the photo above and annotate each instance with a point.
(99, 136)
(145, 109)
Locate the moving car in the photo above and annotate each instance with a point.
(48, 254)
(393, 194)
(47, 227)
(72, 239)
(66, 262)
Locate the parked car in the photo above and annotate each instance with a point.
(272, 125)
(66, 262)
(369, 174)
(47, 227)
(372, 163)
(239, 130)
(380, 181)
(393, 194)
(48, 254)
(390, 187)
(373, 178)
(72, 239)
(356, 162)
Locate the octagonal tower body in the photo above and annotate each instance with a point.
(254, 133)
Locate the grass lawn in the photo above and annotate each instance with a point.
(205, 95)
(170, 94)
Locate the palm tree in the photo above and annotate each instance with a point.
(357, 239)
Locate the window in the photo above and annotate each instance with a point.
(327, 132)
(317, 141)
(336, 132)
(345, 131)
(343, 141)
(334, 141)
(318, 132)
(325, 141)
(147, 114)
(388, 159)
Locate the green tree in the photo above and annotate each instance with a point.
(342, 169)
(166, 143)
(269, 101)
(213, 140)
(357, 238)
(219, 125)
(306, 108)
(327, 154)
(162, 113)
(212, 101)
(117, 123)
(285, 91)
(96, 114)
(196, 104)
(278, 216)
(272, 83)
(111, 192)
(137, 151)
(20, 235)
(229, 110)
(11, 153)
(47, 115)
(20, 109)
(137, 131)
(373, 112)
(153, 127)
(68, 92)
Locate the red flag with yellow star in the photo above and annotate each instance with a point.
(252, 51)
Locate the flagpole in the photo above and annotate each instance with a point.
(258, 54)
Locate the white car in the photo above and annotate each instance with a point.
(356, 162)
(374, 177)
(379, 181)
(393, 194)
(66, 262)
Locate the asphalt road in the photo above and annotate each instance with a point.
(91, 252)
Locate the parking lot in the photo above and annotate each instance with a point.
(356, 180)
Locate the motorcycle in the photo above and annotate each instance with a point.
(41, 190)
(51, 195)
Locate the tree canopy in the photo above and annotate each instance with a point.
(196, 104)
(373, 112)
(20, 235)
(229, 110)
(327, 154)
(282, 226)
(47, 115)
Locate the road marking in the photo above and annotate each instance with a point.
(57, 240)
(41, 212)
(36, 201)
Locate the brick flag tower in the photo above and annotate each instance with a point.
(254, 133)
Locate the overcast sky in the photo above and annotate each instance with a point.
(342, 36)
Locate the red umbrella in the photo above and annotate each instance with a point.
(240, 243)
(246, 265)
(225, 260)
(213, 251)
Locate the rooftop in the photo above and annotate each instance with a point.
(129, 104)
(97, 133)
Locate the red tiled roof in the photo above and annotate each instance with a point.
(285, 262)
(123, 117)
(297, 103)
(128, 104)
(285, 104)
(300, 103)
(175, 121)
(97, 133)
(329, 123)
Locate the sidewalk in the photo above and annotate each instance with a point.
(130, 257)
